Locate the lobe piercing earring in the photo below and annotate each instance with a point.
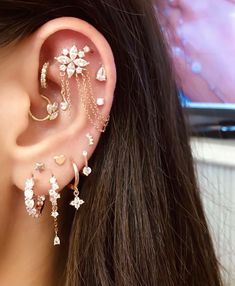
(40, 167)
(44, 75)
(54, 196)
(86, 170)
(90, 139)
(101, 74)
(33, 208)
(77, 202)
(60, 159)
(52, 111)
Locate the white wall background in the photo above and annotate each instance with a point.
(215, 161)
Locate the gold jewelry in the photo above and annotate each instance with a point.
(60, 159)
(77, 202)
(90, 139)
(72, 62)
(54, 196)
(43, 78)
(52, 110)
(33, 204)
(86, 170)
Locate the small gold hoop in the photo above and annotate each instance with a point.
(52, 110)
(76, 177)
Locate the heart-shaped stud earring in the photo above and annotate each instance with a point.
(60, 159)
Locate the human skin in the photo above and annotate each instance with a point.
(28, 256)
(201, 35)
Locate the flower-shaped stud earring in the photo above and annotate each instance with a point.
(72, 61)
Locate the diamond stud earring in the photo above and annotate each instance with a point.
(76, 202)
(54, 196)
(86, 170)
(101, 74)
(100, 101)
(43, 78)
(34, 204)
(52, 111)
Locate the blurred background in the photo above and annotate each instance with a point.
(201, 39)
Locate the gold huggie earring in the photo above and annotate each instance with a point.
(52, 110)
(76, 202)
(33, 204)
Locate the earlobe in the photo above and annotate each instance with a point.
(76, 79)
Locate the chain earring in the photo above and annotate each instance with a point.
(77, 202)
(54, 196)
(34, 204)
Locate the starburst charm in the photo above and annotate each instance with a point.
(77, 202)
(72, 61)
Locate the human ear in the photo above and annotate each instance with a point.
(57, 142)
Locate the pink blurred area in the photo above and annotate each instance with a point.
(201, 37)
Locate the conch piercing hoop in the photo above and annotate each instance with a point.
(52, 111)
(77, 202)
(43, 78)
(33, 204)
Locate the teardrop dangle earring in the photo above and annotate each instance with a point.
(76, 202)
(54, 196)
(86, 170)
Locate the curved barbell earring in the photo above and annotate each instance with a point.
(52, 111)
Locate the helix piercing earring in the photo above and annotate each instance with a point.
(52, 111)
(34, 204)
(54, 196)
(100, 101)
(90, 139)
(43, 78)
(77, 202)
(86, 170)
(101, 74)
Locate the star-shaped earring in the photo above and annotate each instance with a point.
(77, 202)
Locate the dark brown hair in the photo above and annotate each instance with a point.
(143, 222)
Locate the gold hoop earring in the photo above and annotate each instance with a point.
(77, 202)
(52, 110)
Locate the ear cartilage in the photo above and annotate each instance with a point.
(90, 139)
(43, 78)
(39, 166)
(100, 101)
(59, 159)
(101, 74)
(86, 170)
